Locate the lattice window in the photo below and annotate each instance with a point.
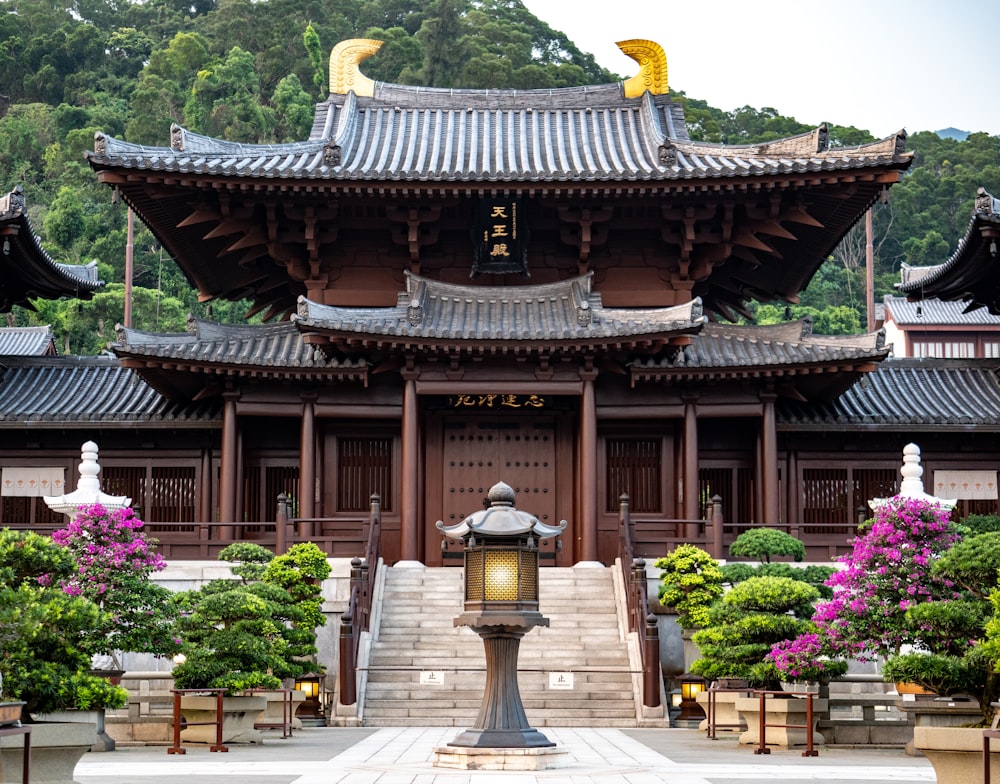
(736, 488)
(28, 510)
(825, 497)
(364, 467)
(633, 467)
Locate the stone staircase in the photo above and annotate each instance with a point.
(416, 635)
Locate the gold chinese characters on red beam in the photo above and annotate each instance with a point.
(496, 401)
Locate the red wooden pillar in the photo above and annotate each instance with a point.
(588, 471)
(691, 510)
(408, 534)
(307, 464)
(771, 502)
(230, 466)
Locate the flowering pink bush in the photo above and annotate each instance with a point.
(887, 572)
(115, 560)
(805, 659)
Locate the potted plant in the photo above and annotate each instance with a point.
(47, 636)
(248, 634)
(744, 625)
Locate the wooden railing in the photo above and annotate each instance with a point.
(640, 620)
(357, 618)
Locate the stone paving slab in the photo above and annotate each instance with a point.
(403, 756)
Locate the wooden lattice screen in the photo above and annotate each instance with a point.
(633, 467)
(364, 466)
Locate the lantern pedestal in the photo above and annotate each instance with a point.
(502, 722)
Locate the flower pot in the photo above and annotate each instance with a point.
(905, 687)
(10, 712)
(56, 747)
(238, 717)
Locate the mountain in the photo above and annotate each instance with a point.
(953, 133)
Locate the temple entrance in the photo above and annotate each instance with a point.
(479, 451)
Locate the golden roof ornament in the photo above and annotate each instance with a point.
(345, 75)
(652, 61)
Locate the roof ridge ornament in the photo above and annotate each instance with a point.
(345, 75)
(652, 61)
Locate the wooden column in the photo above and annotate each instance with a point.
(230, 465)
(307, 464)
(408, 534)
(771, 502)
(690, 507)
(588, 471)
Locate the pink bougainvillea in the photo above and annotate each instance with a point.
(115, 560)
(887, 572)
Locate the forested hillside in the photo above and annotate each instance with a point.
(251, 71)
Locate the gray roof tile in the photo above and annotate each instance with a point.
(44, 391)
(420, 134)
(26, 341)
(933, 393)
(933, 311)
(431, 311)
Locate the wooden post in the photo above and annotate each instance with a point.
(588, 472)
(715, 544)
(769, 462)
(307, 465)
(651, 676)
(408, 534)
(347, 669)
(691, 505)
(229, 468)
(281, 526)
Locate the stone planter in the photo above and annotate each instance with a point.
(780, 711)
(238, 717)
(55, 749)
(96, 717)
(940, 712)
(956, 753)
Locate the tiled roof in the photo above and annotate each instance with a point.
(424, 135)
(26, 270)
(932, 393)
(26, 341)
(970, 275)
(932, 311)
(182, 366)
(433, 312)
(738, 349)
(47, 391)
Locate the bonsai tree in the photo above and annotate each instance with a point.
(761, 544)
(950, 656)
(690, 581)
(115, 560)
(747, 622)
(47, 634)
(887, 572)
(253, 631)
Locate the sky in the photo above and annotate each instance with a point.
(922, 65)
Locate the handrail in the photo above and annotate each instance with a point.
(763, 694)
(177, 748)
(640, 621)
(357, 618)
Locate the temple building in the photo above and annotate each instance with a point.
(539, 287)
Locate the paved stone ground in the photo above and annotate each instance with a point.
(402, 756)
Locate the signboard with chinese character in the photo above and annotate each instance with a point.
(494, 400)
(500, 238)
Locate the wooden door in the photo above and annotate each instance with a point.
(478, 452)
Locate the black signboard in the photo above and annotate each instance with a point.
(500, 238)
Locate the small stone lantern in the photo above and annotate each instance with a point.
(501, 606)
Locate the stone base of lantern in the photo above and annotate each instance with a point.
(476, 758)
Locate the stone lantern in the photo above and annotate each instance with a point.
(501, 606)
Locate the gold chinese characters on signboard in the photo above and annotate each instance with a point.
(499, 238)
(496, 401)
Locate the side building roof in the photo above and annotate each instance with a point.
(44, 392)
(971, 274)
(26, 271)
(930, 394)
